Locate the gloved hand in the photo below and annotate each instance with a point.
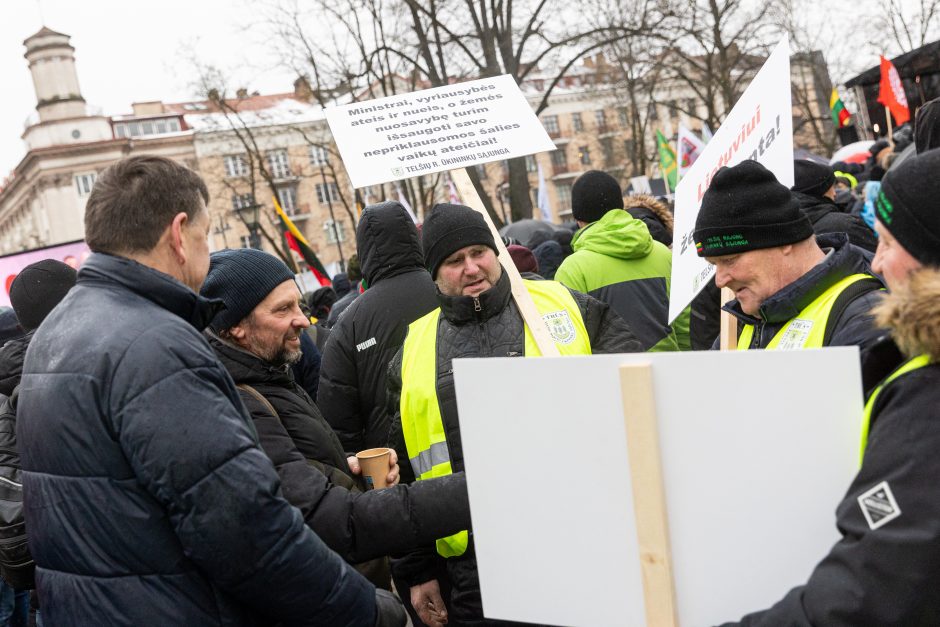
(389, 612)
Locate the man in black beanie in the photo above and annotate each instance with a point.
(815, 190)
(38, 288)
(885, 567)
(476, 317)
(792, 290)
(618, 262)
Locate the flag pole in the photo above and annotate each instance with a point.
(890, 132)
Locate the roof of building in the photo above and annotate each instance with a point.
(923, 60)
(45, 31)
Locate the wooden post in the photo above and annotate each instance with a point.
(890, 131)
(530, 315)
(729, 324)
(649, 495)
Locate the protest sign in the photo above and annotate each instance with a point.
(689, 148)
(759, 127)
(748, 485)
(437, 129)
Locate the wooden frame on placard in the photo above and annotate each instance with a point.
(530, 315)
(649, 495)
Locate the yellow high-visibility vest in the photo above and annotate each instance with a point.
(808, 328)
(422, 424)
(910, 365)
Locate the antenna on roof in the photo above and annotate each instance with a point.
(42, 19)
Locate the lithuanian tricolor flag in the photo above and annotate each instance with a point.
(299, 245)
(840, 115)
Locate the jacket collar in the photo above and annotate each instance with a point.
(464, 309)
(157, 287)
(245, 367)
(795, 297)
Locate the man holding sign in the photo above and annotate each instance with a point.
(476, 318)
(792, 290)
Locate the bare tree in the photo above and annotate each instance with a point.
(911, 23)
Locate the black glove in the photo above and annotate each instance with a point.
(389, 612)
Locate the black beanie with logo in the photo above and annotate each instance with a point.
(907, 206)
(447, 229)
(745, 208)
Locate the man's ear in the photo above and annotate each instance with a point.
(177, 238)
(239, 331)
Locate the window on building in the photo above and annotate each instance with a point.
(550, 122)
(584, 155)
(623, 115)
(278, 164)
(335, 232)
(84, 183)
(327, 193)
(652, 113)
(531, 165)
(576, 122)
(607, 145)
(559, 158)
(242, 201)
(134, 129)
(600, 118)
(120, 130)
(319, 156)
(235, 165)
(146, 127)
(563, 191)
(173, 125)
(628, 147)
(287, 198)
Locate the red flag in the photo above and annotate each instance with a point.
(891, 92)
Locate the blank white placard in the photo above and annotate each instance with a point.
(757, 447)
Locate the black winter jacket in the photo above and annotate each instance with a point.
(886, 575)
(148, 498)
(16, 563)
(827, 217)
(495, 331)
(357, 525)
(853, 328)
(366, 337)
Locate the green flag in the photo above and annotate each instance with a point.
(667, 160)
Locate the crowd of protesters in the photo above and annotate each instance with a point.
(178, 429)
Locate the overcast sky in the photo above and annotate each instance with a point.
(128, 51)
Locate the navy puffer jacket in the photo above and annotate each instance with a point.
(148, 499)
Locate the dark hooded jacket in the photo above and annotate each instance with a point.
(927, 126)
(654, 214)
(496, 330)
(355, 361)
(854, 327)
(148, 498)
(827, 217)
(17, 566)
(885, 571)
(358, 525)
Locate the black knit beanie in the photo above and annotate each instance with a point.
(447, 229)
(906, 205)
(38, 288)
(593, 195)
(241, 278)
(746, 208)
(812, 178)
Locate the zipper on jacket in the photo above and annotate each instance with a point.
(477, 307)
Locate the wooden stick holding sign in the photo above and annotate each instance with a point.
(729, 324)
(530, 315)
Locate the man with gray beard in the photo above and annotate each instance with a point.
(257, 337)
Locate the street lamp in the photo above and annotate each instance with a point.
(250, 215)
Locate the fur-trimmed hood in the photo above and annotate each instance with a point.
(912, 312)
(649, 202)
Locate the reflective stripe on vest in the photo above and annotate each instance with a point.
(912, 364)
(422, 424)
(808, 328)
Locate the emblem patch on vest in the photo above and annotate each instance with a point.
(560, 326)
(879, 506)
(795, 335)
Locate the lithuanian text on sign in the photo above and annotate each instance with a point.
(437, 129)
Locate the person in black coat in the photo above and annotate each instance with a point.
(148, 498)
(364, 340)
(256, 338)
(815, 191)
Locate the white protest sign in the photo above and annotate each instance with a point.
(759, 127)
(750, 483)
(437, 129)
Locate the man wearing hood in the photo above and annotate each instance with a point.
(884, 570)
(815, 190)
(617, 261)
(366, 337)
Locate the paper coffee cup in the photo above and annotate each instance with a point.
(374, 465)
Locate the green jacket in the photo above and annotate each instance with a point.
(617, 262)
